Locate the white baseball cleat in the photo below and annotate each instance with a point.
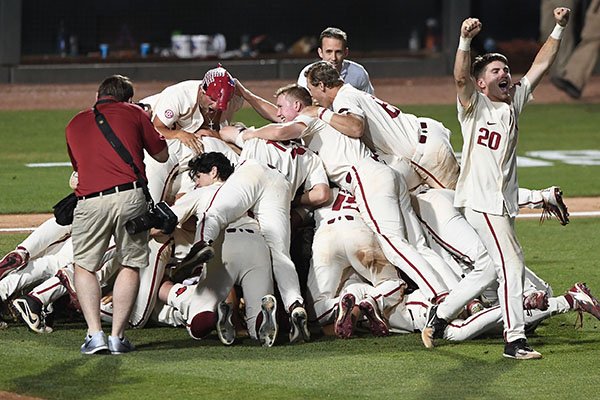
(267, 332)
(583, 300)
(299, 325)
(225, 328)
(554, 205)
(32, 313)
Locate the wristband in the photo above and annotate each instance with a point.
(239, 139)
(325, 114)
(557, 32)
(464, 44)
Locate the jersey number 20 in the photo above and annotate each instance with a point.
(489, 139)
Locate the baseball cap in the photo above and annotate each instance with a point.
(218, 85)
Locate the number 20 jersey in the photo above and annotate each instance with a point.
(488, 174)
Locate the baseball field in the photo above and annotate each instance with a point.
(559, 145)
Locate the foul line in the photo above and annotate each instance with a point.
(524, 216)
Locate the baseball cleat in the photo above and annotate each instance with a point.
(199, 254)
(117, 345)
(267, 332)
(65, 276)
(377, 325)
(31, 312)
(554, 205)
(344, 323)
(299, 325)
(434, 328)
(537, 300)
(583, 300)
(16, 259)
(94, 344)
(520, 350)
(225, 327)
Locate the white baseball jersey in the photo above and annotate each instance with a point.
(488, 176)
(382, 200)
(352, 73)
(176, 107)
(338, 152)
(387, 129)
(297, 163)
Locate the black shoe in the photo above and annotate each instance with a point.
(520, 350)
(566, 86)
(199, 254)
(434, 328)
(32, 313)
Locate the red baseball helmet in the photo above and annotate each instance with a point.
(219, 86)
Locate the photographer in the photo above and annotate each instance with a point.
(109, 194)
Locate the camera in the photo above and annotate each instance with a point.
(160, 217)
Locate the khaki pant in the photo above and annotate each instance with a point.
(585, 56)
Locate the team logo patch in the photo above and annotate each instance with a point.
(169, 113)
(180, 291)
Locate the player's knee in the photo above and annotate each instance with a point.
(202, 324)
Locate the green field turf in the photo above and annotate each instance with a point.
(38, 137)
(170, 365)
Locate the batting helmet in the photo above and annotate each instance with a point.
(219, 86)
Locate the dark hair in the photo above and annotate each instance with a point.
(322, 71)
(297, 92)
(333, 33)
(117, 86)
(206, 161)
(481, 62)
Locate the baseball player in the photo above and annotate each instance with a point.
(380, 191)
(412, 314)
(189, 115)
(45, 239)
(264, 182)
(488, 109)
(333, 48)
(342, 245)
(384, 128)
(252, 270)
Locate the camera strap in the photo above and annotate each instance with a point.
(121, 150)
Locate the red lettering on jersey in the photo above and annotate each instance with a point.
(180, 291)
(390, 109)
(489, 139)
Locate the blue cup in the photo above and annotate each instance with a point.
(103, 50)
(144, 49)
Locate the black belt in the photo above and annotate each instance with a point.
(233, 230)
(116, 189)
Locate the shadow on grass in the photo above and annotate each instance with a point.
(92, 376)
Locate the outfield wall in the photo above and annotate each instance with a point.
(262, 69)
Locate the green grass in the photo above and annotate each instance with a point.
(169, 364)
(38, 136)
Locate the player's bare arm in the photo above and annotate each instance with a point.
(316, 197)
(465, 87)
(265, 108)
(186, 138)
(281, 131)
(348, 124)
(161, 156)
(545, 57)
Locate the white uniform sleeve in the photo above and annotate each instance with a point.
(185, 206)
(317, 172)
(168, 107)
(347, 101)
(523, 94)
